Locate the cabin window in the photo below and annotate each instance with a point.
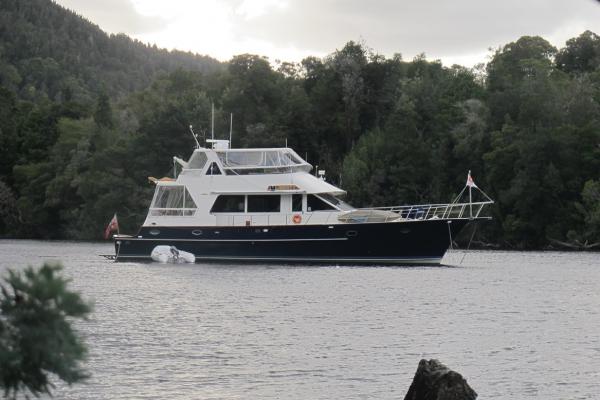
(173, 200)
(313, 203)
(213, 169)
(228, 204)
(264, 203)
(296, 202)
(198, 161)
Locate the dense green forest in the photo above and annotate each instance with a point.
(86, 117)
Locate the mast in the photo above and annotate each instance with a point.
(195, 137)
(212, 121)
(230, 128)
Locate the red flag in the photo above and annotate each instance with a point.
(113, 226)
(470, 182)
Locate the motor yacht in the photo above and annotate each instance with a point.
(265, 205)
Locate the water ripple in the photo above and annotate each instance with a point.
(516, 325)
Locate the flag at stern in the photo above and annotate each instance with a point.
(113, 226)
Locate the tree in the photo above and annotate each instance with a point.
(103, 113)
(36, 334)
(9, 214)
(582, 54)
(529, 58)
(254, 94)
(8, 137)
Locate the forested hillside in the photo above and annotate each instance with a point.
(390, 131)
(50, 53)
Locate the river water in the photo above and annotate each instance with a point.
(516, 325)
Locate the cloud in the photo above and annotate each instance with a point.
(436, 27)
(452, 30)
(115, 16)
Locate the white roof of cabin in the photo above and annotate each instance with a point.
(245, 184)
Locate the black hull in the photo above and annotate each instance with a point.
(412, 242)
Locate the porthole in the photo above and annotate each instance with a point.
(351, 233)
(196, 232)
(154, 232)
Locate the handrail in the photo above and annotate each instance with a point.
(428, 211)
(390, 208)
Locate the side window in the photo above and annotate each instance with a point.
(264, 203)
(228, 204)
(313, 203)
(296, 202)
(173, 200)
(213, 169)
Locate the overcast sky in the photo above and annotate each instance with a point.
(455, 31)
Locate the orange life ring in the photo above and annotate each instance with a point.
(297, 219)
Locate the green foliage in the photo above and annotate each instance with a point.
(85, 118)
(581, 54)
(589, 210)
(37, 340)
(9, 215)
(49, 53)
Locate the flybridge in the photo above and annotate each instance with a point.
(230, 161)
(246, 161)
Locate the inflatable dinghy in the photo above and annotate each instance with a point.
(170, 254)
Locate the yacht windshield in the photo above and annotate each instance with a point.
(342, 205)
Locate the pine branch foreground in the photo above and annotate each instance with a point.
(37, 340)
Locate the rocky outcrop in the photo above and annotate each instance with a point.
(434, 381)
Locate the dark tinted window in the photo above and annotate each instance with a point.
(296, 202)
(313, 203)
(336, 202)
(264, 203)
(228, 203)
(213, 169)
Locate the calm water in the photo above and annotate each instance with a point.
(516, 325)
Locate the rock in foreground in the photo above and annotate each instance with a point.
(434, 381)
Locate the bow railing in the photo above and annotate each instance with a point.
(422, 211)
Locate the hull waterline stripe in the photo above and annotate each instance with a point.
(231, 240)
(426, 260)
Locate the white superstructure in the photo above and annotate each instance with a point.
(242, 187)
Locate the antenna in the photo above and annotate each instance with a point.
(230, 128)
(195, 137)
(212, 121)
